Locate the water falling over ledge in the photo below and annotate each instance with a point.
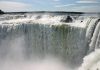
(27, 42)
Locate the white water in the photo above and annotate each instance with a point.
(15, 59)
(92, 60)
(34, 42)
(44, 19)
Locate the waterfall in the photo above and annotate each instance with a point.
(31, 40)
(92, 33)
(92, 60)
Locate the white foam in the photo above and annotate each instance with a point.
(47, 19)
(91, 61)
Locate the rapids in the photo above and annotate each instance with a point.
(42, 41)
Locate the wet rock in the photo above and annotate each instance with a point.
(1, 12)
(38, 17)
(68, 19)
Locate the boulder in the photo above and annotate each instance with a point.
(68, 19)
(1, 12)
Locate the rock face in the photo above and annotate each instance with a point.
(1, 12)
(68, 19)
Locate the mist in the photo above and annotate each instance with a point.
(12, 57)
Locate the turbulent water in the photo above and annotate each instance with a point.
(92, 60)
(46, 41)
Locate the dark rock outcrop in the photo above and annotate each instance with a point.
(1, 12)
(68, 19)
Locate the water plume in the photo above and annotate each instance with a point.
(91, 61)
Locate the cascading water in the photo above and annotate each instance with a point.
(45, 41)
(92, 61)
